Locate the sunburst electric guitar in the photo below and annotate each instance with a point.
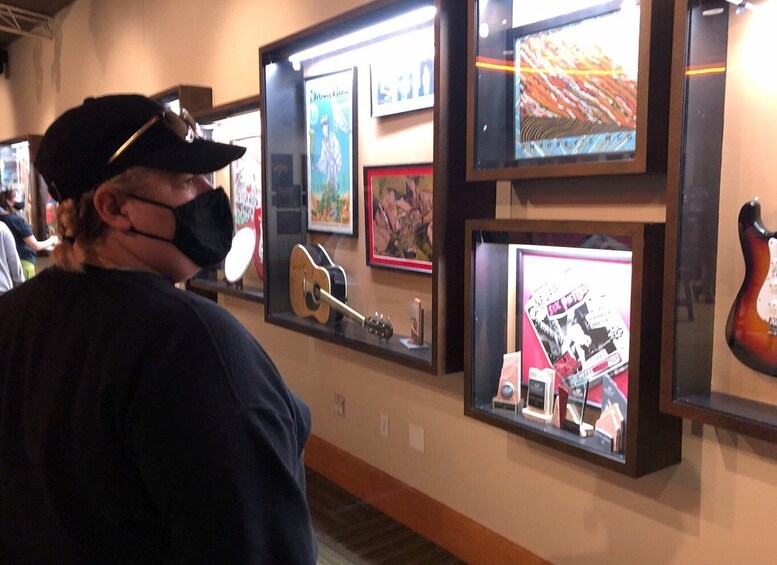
(751, 329)
(318, 289)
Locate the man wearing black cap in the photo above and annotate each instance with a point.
(151, 427)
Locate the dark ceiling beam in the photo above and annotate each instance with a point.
(19, 21)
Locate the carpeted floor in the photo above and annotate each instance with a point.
(350, 531)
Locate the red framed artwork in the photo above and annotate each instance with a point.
(398, 202)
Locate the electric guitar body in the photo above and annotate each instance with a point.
(751, 329)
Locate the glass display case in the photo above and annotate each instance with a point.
(720, 336)
(563, 338)
(239, 123)
(567, 88)
(365, 198)
(17, 172)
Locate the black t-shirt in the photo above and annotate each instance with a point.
(20, 229)
(141, 424)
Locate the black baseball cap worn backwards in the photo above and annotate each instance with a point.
(105, 136)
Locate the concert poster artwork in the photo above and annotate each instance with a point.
(246, 180)
(399, 216)
(576, 83)
(330, 114)
(576, 316)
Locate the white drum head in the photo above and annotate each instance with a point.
(239, 257)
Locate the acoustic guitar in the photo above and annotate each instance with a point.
(318, 289)
(751, 329)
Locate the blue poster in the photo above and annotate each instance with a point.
(330, 106)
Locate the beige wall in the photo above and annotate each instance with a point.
(715, 507)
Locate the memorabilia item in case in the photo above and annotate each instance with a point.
(398, 201)
(508, 394)
(751, 329)
(609, 427)
(577, 308)
(238, 259)
(561, 88)
(402, 84)
(330, 113)
(318, 288)
(417, 322)
(539, 394)
(576, 406)
(574, 301)
(416, 339)
(246, 194)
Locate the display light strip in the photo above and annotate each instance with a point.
(400, 23)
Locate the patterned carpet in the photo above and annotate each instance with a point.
(350, 531)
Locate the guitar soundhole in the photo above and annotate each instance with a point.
(313, 298)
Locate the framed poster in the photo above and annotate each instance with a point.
(401, 85)
(575, 314)
(330, 102)
(246, 194)
(576, 83)
(398, 203)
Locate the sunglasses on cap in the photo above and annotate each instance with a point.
(182, 126)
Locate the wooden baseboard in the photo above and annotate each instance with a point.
(460, 535)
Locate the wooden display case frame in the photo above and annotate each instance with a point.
(653, 440)
(690, 393)
(454, 199)
(191, 97)
(207, 282)
(652, 106)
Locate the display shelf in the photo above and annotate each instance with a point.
(237, 122)
(17, 156)
(373, 97)
(718, 363)
(572, 305)
(559, 90)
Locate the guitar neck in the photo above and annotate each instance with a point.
(341, 307)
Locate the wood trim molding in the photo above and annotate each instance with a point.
(460, 535)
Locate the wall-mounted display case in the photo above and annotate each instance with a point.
(18, 172)
(192, 98)
(563, 338)
(359, 93)
(567, 88)
(720, 340)
(239, 123)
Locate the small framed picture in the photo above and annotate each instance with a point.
(398, 206)
(402, 86)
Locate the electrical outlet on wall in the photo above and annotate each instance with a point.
(339, 405)
(416, 437)
(384, 425)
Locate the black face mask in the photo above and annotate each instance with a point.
(203, 227)
(19, 205)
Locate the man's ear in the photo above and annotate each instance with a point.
(110, 204)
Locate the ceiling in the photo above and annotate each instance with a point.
(14, 14)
